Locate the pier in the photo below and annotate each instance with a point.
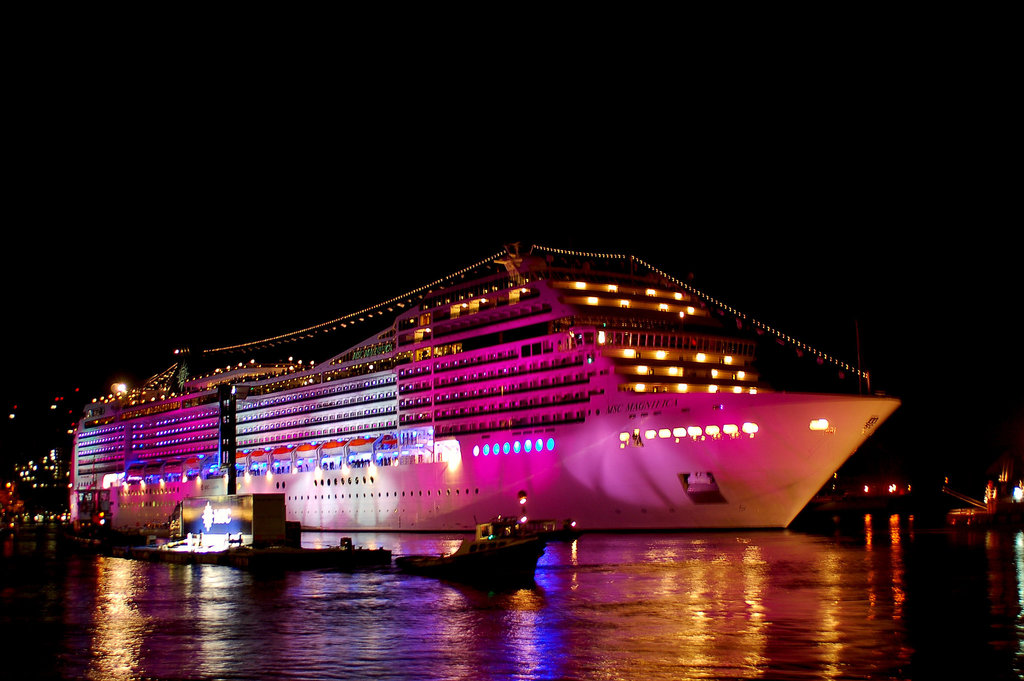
(274, 557)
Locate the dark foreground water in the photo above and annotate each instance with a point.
(881, 599)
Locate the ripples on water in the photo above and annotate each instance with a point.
(885, 601)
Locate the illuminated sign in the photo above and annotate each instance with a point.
(217, 515)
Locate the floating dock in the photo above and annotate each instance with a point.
(275, 557)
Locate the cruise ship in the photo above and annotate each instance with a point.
(588, 386)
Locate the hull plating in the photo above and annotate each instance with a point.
(633, 464)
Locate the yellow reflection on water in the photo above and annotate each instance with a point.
(119, 629)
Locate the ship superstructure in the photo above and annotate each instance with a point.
(595, 385)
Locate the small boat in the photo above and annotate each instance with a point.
(503, 551)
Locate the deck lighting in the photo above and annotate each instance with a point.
(819, 424)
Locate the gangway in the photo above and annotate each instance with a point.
(964, 498)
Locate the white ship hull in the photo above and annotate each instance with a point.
(607, 473)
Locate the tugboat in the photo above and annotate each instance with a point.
(503, 551)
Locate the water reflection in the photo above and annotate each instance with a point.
(888, 600)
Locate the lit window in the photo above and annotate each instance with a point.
(693, 431)
(664, 432)
(650, 434)
(592, 300)
(651, 292)
(701, 357)
(682, 387)
(713, 431)
(629, 353)
(612, 288)
(749, 428)
(623, 303)
(600, 338)
(662, 307)
(581, 285)
(819, 424)
(642, 370)
(640, 387)
(730, 429)
(623, 437)
(727, 359)
(660, 354)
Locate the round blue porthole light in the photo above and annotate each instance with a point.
(505, 448)
(529, 446)
(540, 446)
(487, 449)
(551, 444)
(516, 446)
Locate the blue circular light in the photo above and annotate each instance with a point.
(505, 448)
(540, 446)
(487, 449)
(516, 446)
(551, 444)
(529, 446)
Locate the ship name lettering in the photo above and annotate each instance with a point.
(642, 405)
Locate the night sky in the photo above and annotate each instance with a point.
(855, 206)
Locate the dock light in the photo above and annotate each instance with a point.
(1018, 494)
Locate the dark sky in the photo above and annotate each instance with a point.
(185, 216)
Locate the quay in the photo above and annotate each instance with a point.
(273, 557)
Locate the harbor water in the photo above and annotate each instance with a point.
(878, 597)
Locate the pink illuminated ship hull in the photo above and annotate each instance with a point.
(594, 386)
(608, 473)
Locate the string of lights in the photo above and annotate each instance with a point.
(353, 317)
(800, 345)
(407, 298)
